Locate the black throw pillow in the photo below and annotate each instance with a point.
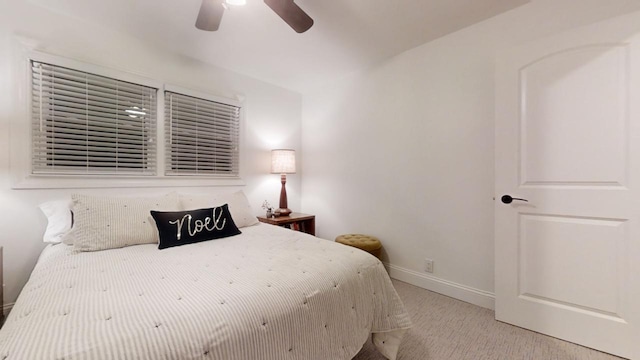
(187, 227)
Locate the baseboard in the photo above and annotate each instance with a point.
(6, 309)
(465, 293)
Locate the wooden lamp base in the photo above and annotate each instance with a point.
(282, 212)
(284, 209)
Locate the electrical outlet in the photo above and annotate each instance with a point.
(428, 265)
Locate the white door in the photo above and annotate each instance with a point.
(568, 141)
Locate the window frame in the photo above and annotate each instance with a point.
(148, 145)
(20, 144)
(200, 95)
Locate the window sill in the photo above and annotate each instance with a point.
(82, 182)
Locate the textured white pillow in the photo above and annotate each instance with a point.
(239, 207)
(59, 219)
(113, 222)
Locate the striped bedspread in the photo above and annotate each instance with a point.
(269, 293)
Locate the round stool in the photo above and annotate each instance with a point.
(368, 243)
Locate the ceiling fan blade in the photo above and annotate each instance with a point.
(292, 14)
(210, 15)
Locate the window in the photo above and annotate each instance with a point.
(84, 123)
(91, 126)
(202, 136)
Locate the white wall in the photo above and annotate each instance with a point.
(404, 150)
(272, 120)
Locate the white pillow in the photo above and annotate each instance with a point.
(113, 222)
(239, 207)
(59, 219)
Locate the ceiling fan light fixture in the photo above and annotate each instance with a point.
(211, 12)
(236, 2)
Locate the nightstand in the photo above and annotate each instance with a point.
(295, 221)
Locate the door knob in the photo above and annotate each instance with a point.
(507, 199)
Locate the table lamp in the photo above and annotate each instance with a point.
(283, 162)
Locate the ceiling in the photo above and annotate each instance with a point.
(252, 40)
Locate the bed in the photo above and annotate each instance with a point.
(268, 293)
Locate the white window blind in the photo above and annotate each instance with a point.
(202, 136)
(89, 124)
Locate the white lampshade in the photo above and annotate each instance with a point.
(236, 2)
(283, 161)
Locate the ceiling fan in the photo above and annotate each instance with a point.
(211, 12)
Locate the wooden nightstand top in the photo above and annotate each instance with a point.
(281, 220)
(297, 221)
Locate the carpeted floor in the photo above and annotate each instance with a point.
(445, 328)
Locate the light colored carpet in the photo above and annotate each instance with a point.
(445, 328)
